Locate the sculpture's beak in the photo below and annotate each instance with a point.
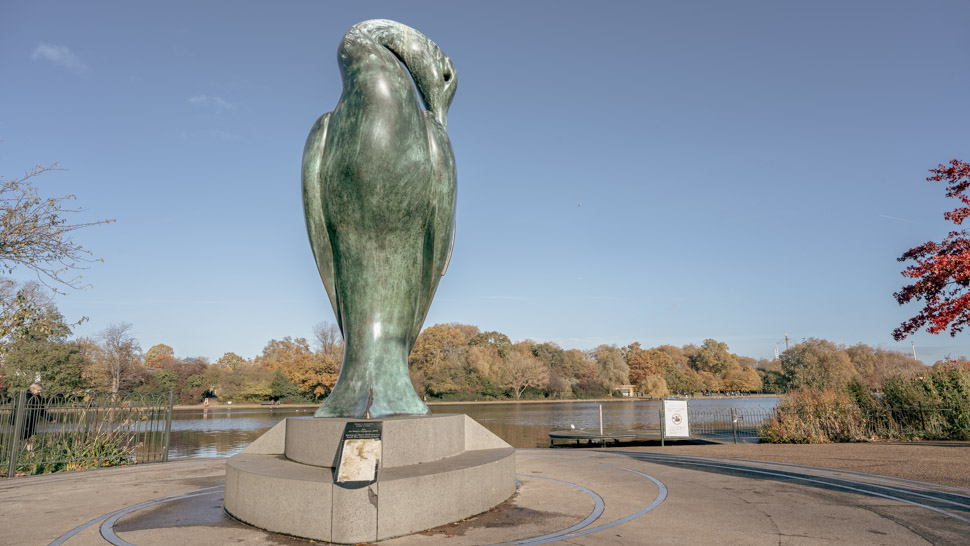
(442, 117)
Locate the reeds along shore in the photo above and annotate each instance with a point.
(932, 406)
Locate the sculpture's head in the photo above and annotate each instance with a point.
(435, 77)
(433, 72)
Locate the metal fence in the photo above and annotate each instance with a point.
(40, 434)
(929, 423)
(727, 425)
(834, 423)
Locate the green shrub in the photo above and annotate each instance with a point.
(69, 453)
(808, 416)
(932, 406)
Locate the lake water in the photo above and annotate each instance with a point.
(221, 432)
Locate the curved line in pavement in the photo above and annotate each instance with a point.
(598, 507)
(832, 483)
(915, 484)
(107, 528)
(964, 501)
(66, 536)
(661, 496)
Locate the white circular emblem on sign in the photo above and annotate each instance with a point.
(676, 419)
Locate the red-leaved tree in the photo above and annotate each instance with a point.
(942, 270)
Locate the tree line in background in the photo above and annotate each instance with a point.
(459, 362)
(447, 362)
(35, 343)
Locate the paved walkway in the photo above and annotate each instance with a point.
(574, 496)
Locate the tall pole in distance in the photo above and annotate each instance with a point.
(786, 342)
(913, 343)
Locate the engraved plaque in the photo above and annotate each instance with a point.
(359, 459)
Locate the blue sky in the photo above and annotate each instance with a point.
(656, 172)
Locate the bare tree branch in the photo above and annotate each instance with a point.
(36, 232)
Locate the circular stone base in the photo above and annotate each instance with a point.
(433, 470)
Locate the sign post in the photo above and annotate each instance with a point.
(675, 423)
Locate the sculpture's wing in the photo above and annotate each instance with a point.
(440, 237)
(316, 224)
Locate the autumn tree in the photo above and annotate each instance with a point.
(36, 232)
(27, 311)
(231, 361)
(313, 375)
(281, 388)
(329, 340)
(468, 331)
(549, 353)
(676, 354)
(482, 359)
(942, 270)
(278, 354)
(817, 364)
(713, 357)
(520, 370)
(570, 363)
(245, 381)
(120, 354)
(648, 363)
(186, 377)
(742, 378)
(157, 350)
(613, 370)
(559, 386)
(772, 376)
(653, 386)
(59, 363)
(498, 340)
(45, 353)
(708, 382)
(588, 380)
(875, 366)
(449, 380)
(680, 380)
(436, 345)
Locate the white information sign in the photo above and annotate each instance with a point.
(675, 419)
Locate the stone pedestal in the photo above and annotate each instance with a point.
(434, 470)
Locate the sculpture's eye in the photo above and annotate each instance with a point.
(447, 75)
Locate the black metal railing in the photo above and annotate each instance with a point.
(41, 434)
(728, 425)
(829, 423)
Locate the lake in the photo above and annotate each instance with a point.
(222, 431)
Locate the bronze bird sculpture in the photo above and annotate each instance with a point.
(379, 187)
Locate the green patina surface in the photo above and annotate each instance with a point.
(379, 186)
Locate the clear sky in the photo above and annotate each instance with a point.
(661, 172)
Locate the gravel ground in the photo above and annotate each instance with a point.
(946, 463)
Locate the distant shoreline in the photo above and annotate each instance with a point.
(250, 405)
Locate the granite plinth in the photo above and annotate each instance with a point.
(434, 470)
